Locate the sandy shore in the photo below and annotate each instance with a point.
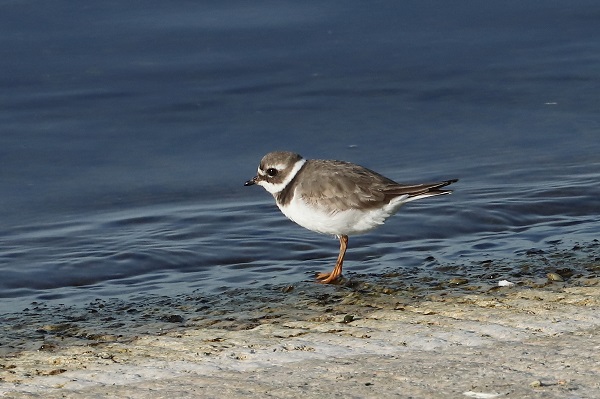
(517, 342)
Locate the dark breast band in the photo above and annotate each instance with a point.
(285, 196)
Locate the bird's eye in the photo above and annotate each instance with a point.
(271, 172)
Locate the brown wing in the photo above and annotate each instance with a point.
(339, 185)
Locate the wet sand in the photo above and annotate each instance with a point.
(512, 342)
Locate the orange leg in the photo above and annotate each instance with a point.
(327, 278)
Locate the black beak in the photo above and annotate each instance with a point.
(251, 182)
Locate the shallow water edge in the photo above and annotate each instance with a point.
(42, 326)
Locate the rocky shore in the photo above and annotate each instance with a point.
(365, 340)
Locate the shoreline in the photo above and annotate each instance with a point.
(509, 342)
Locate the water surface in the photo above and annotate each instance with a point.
(127, 131)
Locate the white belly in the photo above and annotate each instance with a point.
(349, 222)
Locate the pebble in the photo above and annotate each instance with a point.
(505, 283)
(536, 384)
(554, 277)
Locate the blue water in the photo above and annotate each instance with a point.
(127, 130)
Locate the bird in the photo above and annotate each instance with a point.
(334, 197)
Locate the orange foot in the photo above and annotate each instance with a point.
(328, 278)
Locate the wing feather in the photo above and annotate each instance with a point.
(339, 186)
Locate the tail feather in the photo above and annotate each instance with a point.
(419, 191)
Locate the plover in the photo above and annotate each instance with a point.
(335, 197)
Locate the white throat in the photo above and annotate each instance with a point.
(275, 188)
